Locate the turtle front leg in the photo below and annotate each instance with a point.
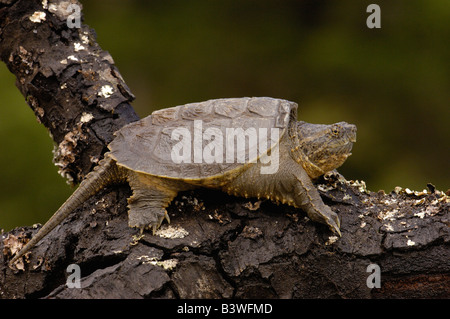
(147, 206)
(308, 198)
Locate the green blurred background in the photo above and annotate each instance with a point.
(393, 82)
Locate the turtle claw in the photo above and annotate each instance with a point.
(155, 226)
(328, 217)
(166, 216)
(333, 222)
(334, 226)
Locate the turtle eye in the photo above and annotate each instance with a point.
(335, 131)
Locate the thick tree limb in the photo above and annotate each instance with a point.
(217, 246)
(70, 83)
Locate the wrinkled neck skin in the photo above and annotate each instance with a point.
(299, 156)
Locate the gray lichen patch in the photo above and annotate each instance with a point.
(171, 232)
(86, 117)
(61, 9)
(37, 17)
(65, 153)
(168, 264)
(105, 91)
(361, 185)
(78, 47)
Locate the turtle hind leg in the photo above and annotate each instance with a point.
(147, 206)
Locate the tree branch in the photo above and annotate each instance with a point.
(69, 82)
(217, 246)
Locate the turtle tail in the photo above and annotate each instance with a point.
(106, 173)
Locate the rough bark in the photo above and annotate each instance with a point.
(216, 246)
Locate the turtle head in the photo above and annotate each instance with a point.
(321, 148)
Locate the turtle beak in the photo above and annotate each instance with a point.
(351, 133)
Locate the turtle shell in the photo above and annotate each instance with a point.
(195, 141)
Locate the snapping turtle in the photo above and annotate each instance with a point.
(252, 147)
